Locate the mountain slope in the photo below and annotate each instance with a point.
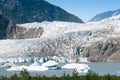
(24, 11)
(7, 27)
(105, 15)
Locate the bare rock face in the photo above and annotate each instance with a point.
(115, 57)
(7, 27)
(23, 33)
(8, 30)
(103, 52)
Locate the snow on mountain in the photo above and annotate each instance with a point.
(105, 15)
(61, 39)
(116, 17)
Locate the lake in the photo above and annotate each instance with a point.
(100, 68)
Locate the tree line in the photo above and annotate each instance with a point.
(24, 75)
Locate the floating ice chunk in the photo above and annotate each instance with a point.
(56, 67)
(23, 67)
(77, 67)
(50, 63)
(13, 69)
(63, 61)
(33, 67)
(2, 60)
(74, 65)
(9, 65)
(35, 64)
(37, 68)
(17, 68)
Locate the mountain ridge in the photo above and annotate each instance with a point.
(105, 15)
(23, 11)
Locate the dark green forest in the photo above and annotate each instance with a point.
(24, 75)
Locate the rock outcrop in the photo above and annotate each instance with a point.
(103, 52)
(24, 33)
(8, 30)
(7, 27)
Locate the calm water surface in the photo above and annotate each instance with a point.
(100, 68)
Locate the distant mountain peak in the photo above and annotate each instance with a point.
(24, 11)
(105, 15)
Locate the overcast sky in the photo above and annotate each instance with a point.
(86, 9)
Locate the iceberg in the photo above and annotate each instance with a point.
(2, 60)
(28, 68)
(33, 67)
(37, 68)
(9, 65)
(17, 68)
(35, 64)
(80, 68)
(50, 63)
(13, 69)
(56, 67)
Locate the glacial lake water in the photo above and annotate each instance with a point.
(100, 68)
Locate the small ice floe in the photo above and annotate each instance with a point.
(2, 60)
(63, 61)
(36, 67)
(17, 68)
(56, 67)
(35, 64)
(28, 68)
(9, 65)
(80, 68)
(52, 65)
(33, 67)
(13, 69)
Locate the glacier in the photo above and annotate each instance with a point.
(60, 39)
